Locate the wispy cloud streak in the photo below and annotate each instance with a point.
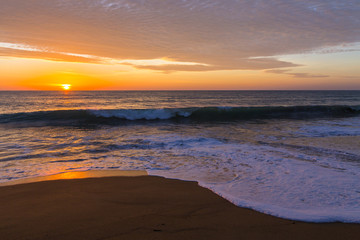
(296, 74)
(96, 59)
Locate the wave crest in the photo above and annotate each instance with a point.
(111, 116)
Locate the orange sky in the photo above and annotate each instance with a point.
(128, 45)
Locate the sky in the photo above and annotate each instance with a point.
(179, 44)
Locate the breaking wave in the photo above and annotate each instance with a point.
(113, 116)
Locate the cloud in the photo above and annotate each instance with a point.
(212, 34)
(297, 75)
(20, 50)
(343, 48)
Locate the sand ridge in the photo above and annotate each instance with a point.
(141, 207)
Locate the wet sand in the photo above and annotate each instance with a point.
(141, 207)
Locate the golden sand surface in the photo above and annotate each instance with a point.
(141, 207)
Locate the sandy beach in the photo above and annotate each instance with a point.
(141, 207)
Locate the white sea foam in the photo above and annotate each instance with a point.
(271, 180)
(137, 114)
(324, 128)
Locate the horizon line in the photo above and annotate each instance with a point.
(178, 90)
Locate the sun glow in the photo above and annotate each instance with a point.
(66, 86)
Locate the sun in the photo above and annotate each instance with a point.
(66, 86)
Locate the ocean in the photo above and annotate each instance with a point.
(291, 154)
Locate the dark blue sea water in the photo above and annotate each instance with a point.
(293, 154)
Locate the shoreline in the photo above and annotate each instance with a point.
(141, 207)
(77, 175)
